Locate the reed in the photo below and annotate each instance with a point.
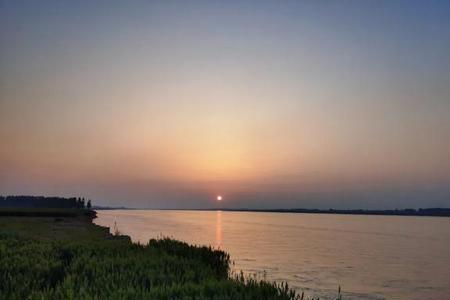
(71, 258)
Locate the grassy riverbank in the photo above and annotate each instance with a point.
(66, 256)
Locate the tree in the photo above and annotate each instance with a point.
(89, 204)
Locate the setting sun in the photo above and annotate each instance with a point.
(313, 118)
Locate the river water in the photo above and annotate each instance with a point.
(370, 257)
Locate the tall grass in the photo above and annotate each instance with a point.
(50, 258)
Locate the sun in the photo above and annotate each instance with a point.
(219, 198)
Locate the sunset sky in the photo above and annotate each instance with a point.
(167, 104)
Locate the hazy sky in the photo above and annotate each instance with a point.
(268, 103)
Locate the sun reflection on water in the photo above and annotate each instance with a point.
(218, 229)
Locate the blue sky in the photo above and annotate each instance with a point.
(269, 103)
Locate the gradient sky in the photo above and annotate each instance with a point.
(166, 104)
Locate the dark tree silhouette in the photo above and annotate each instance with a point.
(89, 204)
(41, 202)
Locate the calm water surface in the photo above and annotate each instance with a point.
(371, 257)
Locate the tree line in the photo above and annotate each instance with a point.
(44, 202)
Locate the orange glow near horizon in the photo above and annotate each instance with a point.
(196, 104)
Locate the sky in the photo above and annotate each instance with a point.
(271, 104)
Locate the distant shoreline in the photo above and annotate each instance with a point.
(421, 212)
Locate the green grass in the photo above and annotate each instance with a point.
(69, 257)
(46, 212)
